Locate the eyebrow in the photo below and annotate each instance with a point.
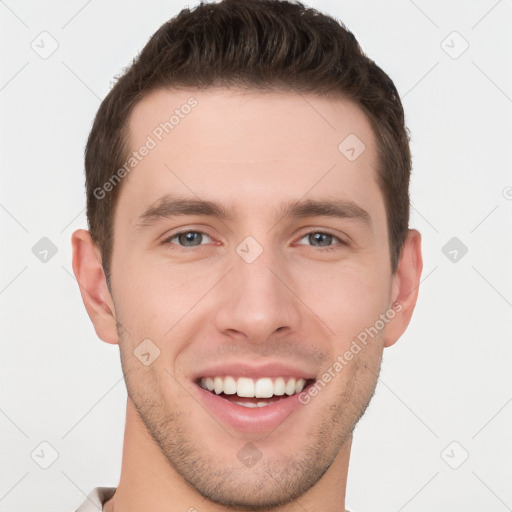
(171, 206)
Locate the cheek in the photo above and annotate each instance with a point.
(153, 297)
(348, 298)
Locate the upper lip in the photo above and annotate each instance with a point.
(243, 369)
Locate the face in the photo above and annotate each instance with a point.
(259, 292)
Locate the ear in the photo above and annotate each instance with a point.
(405, 287)
(93, 285)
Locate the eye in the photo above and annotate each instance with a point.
(324, 240)
(187, 238)
(320, 239)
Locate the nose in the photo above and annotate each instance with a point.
(258, 299)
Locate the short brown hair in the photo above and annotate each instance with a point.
(256, 45)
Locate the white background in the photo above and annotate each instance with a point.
(447, 379)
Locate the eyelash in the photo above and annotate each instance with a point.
(167, 241)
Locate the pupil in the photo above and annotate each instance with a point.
(318, 236)
(189, 237)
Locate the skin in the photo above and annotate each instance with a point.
(204, 304)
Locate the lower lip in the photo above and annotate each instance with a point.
(249, 419)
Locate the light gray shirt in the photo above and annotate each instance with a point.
(98, 496)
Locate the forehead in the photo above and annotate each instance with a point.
(253, 146)
(216, 113)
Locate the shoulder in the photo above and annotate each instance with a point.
(96, 498)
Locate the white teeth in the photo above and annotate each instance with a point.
(264, 388)
(245, 387)
(279, 386)
(299, 386)
(229, 386)
(209, 383)
(218, 385)
(290, 387)
(252, 404)
(249, 388)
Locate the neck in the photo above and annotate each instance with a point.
(149, 482)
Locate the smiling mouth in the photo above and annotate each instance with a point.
(248, 392)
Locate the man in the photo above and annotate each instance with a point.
(249, 251)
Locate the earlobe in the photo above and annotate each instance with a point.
(93, 286)
(405, 289)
